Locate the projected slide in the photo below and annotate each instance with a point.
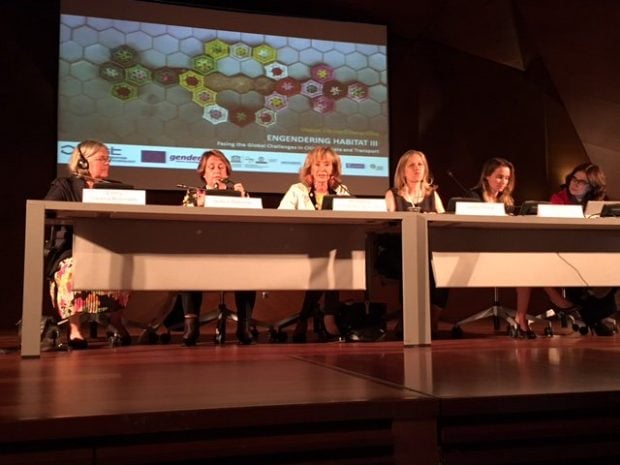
(159, 95)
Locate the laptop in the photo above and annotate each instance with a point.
(226, 192)
(451, 208)
(328, 201)
(594, 207)
(112, 185)
(530, 207)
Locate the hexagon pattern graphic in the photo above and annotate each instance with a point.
(226, 78)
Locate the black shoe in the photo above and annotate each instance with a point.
(321, 331)
(120, 340)
(77, 344)
(325, 336)
(148, 336)
(245, 337)
(520, 333)
(529, 334)
(191, 330)
(601, 329)
(299, 335)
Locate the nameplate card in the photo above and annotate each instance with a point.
(560, 211)
(480, 208)
(355, 204)
(225, 201)
(120, 196)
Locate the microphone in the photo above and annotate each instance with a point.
(98, 180)
(188, 188)
(228, 182)
(343, 187)
(467, 192)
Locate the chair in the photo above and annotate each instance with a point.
(496, 310)
(55, 332)
(565, 317)
(386, 243)
(599, 304)
(594, 305)
(276, 330)
(451, 207)
(221, 314)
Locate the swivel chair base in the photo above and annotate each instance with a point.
(496, 310)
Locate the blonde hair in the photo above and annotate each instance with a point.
(84, 150)
(317, 154)
(400, 179)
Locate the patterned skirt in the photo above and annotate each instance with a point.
(68, 302)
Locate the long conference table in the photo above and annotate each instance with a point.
(152, 247)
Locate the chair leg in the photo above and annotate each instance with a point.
(496, 310)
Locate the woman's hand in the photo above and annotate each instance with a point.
(239, 188)
(200, 198)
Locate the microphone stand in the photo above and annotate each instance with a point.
(467, 192)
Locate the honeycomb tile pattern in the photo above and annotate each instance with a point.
(233, 79)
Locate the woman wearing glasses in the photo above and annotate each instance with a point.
(584, 183)
(89, 164)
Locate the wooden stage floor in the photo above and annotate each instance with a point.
(484, 399)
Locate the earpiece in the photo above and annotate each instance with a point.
(82, 162)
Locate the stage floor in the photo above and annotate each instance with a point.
(482, 399)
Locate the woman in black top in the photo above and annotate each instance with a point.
(214, 170)
(414, 191)
(89, 164)
(497, 181)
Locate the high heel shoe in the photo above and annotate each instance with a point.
(601, 329)
(564, 314)
(77, 344)
(321, 331)
(118, 336)
(299, 334)
(518, 332)
(527, 334)
(191, 330)
(244, 336)
(118, 339)
(75, 340)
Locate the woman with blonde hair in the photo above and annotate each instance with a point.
(319, 176)
(89, 165)
(413, 186)
(414, 191)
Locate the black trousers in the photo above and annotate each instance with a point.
(311, 302)
(189, 303)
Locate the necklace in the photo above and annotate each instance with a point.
(413, 198)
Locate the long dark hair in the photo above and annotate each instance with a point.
(596, 180)
(487, 169)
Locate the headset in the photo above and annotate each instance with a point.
(82, 162)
